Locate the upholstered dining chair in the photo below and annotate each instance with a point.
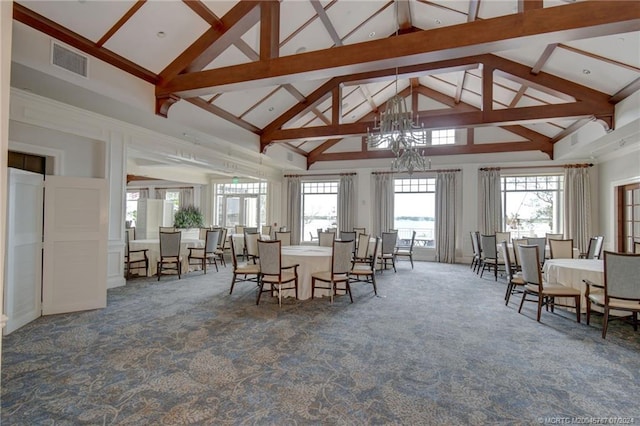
(325, 239)
(518, 242)
(594, 250)
(476, 262)
(265, 230)
(541, 243)
(170, 258)
(541, 292)
(207, 254)
(222, 245)
(362, 254)
(347, 236)
(273, 273)
(388, 251)
(407, 251)
(339, 273)
(548, 236)
(134, 258)
(251, 246)
(620, 291)
(239, 229)
(490, 255)
(514, 282)
(561, 249)
(248, 271)
(366, 271)
(285, 237)
(202, 233)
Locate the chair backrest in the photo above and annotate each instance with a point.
(131, 233)
(211, 240)
(359, 231)
(508, 266)
(166, 229)
(377, 251)
(234, 259)
(251, 243)
(541, 243)
(549, 236)
(489, 247)
(270, 257)
(621, 272)
(202, 233)
(636, 246)
(475, 244)
(251, 230)
(413, 240)
(347, 236)
(363, 246)
(503, 236)
(284, 237)
(597, 252)
(389, 241)
(265, 230)
(325, 239)
(170, 244)
(561, 249)
(518, 242)
(239, 229)
(128, 233)
(530, 264)
(222, 238)
(334, 230)
(341, 257)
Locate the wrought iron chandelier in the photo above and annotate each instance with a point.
(398, 132)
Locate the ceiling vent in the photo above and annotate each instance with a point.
(70, 60)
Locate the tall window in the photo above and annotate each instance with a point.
(241, 204)
(319, 207)
(629, 218)
(132, 207)
(532, 205)
(415, 207)
(174, 197)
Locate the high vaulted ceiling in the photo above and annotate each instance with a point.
(311, 75)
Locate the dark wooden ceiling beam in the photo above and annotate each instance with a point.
(213, 42)
(547, 25)
(315, 153)
(52, 29)
(269, 30)
(625, 91)
(405, 23)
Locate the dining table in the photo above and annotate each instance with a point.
(571, 272)
(153, 247)
(310, 259)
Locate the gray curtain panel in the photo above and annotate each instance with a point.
(446, 184)
(161, 193)
(294, 205)
(186, 197)
(144, 192)
(382, 202)
(489, 201)
(346, 203)
(577, 206)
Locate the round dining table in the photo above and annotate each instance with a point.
(311, 259)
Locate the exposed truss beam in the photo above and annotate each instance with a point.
(324, 18)
(199, 102)
(546, 25)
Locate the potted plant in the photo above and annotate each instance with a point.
(189, 219)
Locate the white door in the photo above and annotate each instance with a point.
(23, 271)
(75, 244)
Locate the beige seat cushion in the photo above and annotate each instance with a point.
(247, 268)
(614, 303)
(286, 276)
(326, 276)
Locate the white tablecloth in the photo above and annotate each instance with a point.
(153, 245)
(571, 272)
(311, 259)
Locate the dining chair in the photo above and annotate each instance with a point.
(542, 293)
(251, 246)
(549, 237)
(207, 254)
(265, 230)
(273, 273)
(239, 229)
(594, 250)
(514, 282)
(561, 249)
(366, 271)
(490, 255)
(362, 254)
(248, 271)
(285, 237)
(620, 290)
(541, 243)
(221, 247)
(202, 233)
(347, 236)
(170, 253)
(134, 258)
(339, 273)
(250, 230)
(325, 239)
(518, 242)
(407, 251)
(503, 236)
(388, 251)
(476, 263)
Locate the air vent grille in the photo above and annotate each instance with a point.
(69, 60)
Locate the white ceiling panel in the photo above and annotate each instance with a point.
(624, 48)
(313, 37)
(219, 7)
(429, 16)
(429, 104)
(342, 14)
(138, 39)
(301, 121)
(252, 37)
(237, 103)
(349, 144)
(307, 87)
(231, 56)
(543, 97)
(492, 9)
(90, 19)
(297, 13)
(494, 135)
(545, 129)
(380, 26)
(271, 109)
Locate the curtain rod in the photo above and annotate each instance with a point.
(323, 175)
(421, 171)
(564, 166)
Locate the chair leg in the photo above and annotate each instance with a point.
(507, 295)
(411, 259)
(524, 296)
(261, 286)
(605, 322)
(373, 280)
(539, 306)
(233, 282)
(578, 313)
(159, 270)
(588, 311)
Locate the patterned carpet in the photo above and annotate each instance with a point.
(438, 347)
